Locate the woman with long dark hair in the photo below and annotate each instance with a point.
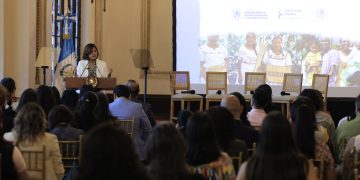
(276, 156)
(45, 98)
(203, 148)
(85, 118)
(309, 137)
(102, 111)
(29, 95)
(166, 154)
(109, 153)
(70, 99)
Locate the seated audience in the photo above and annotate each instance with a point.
(108, 153)
(29, 95)
(123, 108)
(270, 106)
(347, 131)
(166, 154)
(60, 118)
(182, 118)
(56, 94)
(244, 109)
(203, 149)
(86, 88)
(70, 99)
(134, 96)
(352, 149)
(276, 155)
(29, 129)
(8, 112)
(257, 113)
(85, 118)
(12, 162)
(45, 98)
(242, 131)
(224, 127)
(102, 111)
(309, 136)
(322, 118)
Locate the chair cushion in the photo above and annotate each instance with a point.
(186, 96)
(215, 96)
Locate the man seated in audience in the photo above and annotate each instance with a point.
(134, 94)
(242, 131)
(347, 131)
(123, 108)
(257, 113)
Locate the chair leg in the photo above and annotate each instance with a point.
(182, 105)
(188, 105)
(171, 110)
(201, 105)
(207, 104)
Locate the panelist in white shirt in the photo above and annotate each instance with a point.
(90, 60)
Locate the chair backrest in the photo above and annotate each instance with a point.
(292, 82)
(179, 80)
(128, 125)
(216, 81)
(321, 83)
(35, 162)
(71, 152)
(237, 161)
(319, 167)
(275, 74)
(252, 150)
(253, 80)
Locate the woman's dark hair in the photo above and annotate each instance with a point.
(3, 98)
(85, 111)
(9, 84)
(86, 88)
(276, 156)
(242, 101)
(224, 125)
(303, 116)
(29, 95)
(102, 112)
(88, 50)
(60, 114)
(56, 95)
(166, 153)
(260, 99)
(45, 98)
(70, 99)
(109, 153)
(182, 118)
(203, 147)
(268, 91)
(315, 96)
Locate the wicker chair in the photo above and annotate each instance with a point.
(321, 82)
(215, 81)
(128, 125)
(252, 81)
(35, 163)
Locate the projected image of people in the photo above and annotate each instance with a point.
(247, 57)
(213, 56)
(330, 60)
(312, 63)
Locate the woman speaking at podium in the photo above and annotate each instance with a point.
(91, 65)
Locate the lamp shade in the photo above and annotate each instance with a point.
(44, 57)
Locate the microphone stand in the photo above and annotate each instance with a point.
(146, 69)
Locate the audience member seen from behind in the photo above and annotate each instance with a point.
(102, 111)
(242, 130)
(347, 131)
(204, 151)
(270, 106)
(182, 118)
(322, 118)
(85, 112)
(45, 98)
(124, 109)
(12, 162)
(244, 109)
(134, 96)
(70, 99)
(257, 113)
(166, 154)
(310, 137)
(108, 153)
(60, 118)
(86, 88)
(276, 156)
(224, 126)
(56, 94)
(30, 124)
(29, 95)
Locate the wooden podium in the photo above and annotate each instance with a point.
(103, 83)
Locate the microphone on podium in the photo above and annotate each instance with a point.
(188, 92)
(283, 93)
(252, 92)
